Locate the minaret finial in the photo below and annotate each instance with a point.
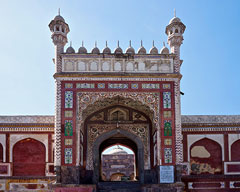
(174, 12)
(153, 43)
(130, 43)
(70, 43)
(58, 11)
(118, 43)
(106, 44)
(82, 43)
(163, 44)
(141, 43)
(95, 43)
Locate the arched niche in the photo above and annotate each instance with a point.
(98, 146)
(29, 158)
(235, 152)
(205, 157)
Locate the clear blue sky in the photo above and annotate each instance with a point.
(211, 67)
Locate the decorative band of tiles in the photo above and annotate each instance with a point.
(117, 86)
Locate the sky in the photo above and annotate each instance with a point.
(209, 51)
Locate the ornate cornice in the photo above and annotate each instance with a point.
(27, 129)
(117, 75)
(210, 119)
(213, 129)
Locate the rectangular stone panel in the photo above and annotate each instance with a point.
(68, 128)
(167, 114)
(68, 85)
(68, 141)
(68, 99)
(168, 141)
(166, 86)
(85, 86)
(68, 113)
(150, 86)
(167, 127)
(68, 155)
(117, 86)
(167, 100)
(167, 155)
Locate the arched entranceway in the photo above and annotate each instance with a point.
(125, 138)
(110, 114)
(29, 158)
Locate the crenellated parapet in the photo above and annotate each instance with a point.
(118, 61)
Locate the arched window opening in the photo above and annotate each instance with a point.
(29, 158)
(176, 30)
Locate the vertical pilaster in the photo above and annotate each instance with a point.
(57, 158)
(7, 148)
(59, 48)
(178, 127)
(226, 148)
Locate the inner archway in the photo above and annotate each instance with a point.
(118, 164)
(118, 136)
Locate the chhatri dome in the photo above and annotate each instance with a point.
(117, 151)
(175, 19)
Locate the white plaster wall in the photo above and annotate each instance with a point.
(219, 138)
(231, 139)
(14, 138)
(3, 142)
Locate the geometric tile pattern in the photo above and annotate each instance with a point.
(68, 155)
(68, 99)
(167, 100)
(167, 155)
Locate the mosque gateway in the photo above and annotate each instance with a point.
(115, 99)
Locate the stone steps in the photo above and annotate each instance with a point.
(119, 186)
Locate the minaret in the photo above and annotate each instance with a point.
(59, 29)
(174, 31)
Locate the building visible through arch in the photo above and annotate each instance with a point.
(129, 98)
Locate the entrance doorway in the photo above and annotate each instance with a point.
(123, 138)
